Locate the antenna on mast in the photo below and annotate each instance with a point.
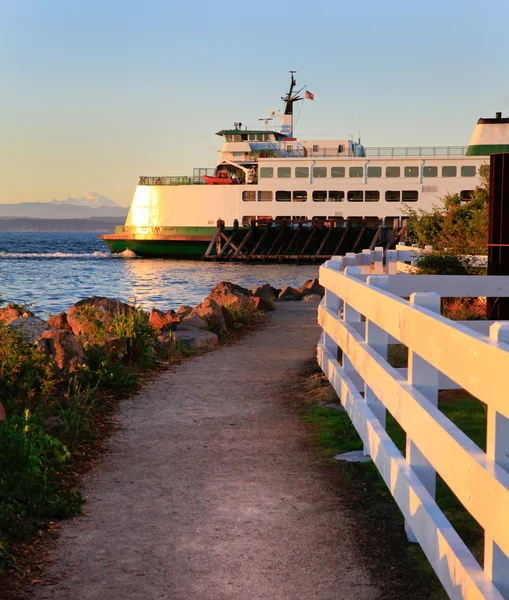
(266, 121)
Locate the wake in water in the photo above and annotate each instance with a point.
(64, 255)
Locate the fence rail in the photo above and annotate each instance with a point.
(364, 309)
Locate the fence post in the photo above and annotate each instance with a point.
(391, 262)
(349, 259)
(350, 315)
(366, 261)
(496, 563)
(424, 378)
(377, 338)
(379, 260)
(333, 303)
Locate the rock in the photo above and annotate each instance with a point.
(93, 316)
(265, 291)
(55, 426)
(197, 339)
(192, 321)
(289, 294)
(184, 310)
(3, 414)
(214, 315)
(11, 312)
(163, 321)
(264, 304)
(312, 298)
(312, 286)
(59, 322)
(29, 326)
(64, 349)
(229, 294)
(116, 348)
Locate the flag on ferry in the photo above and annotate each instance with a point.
(309, 95)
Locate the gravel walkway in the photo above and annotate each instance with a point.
(209, 491)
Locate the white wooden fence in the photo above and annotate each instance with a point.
(364, 310)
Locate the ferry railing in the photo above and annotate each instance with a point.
(411, 151)
(172, 180)
(365, 310)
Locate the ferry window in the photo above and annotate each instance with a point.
(410, 195)
(449, 171)
(335, 196)
(244, 137)
(266, 172)
(289, 148)
(319, 196)
(283, 218)
(283, 196)
(284, 172)
(430, 172)
(468, 171)
(316, 148)
(265, 196)
(228, 138)
(246, 221)
(353, 196)
(411, 171)
(372, 196)
(236, 138)
(392, 196)
(393, 171)
(300, 196)
(249, 196)
(374, 171)
(355, 172)
(319, 171)
(466, 195)
(341, 148)
(337, 172)
(301, 171)
(238, 153)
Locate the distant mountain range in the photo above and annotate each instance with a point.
(92, 205)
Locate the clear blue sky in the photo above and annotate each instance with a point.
(98, 92)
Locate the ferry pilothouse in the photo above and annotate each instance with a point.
(270, 174)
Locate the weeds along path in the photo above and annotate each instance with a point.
(209, 491)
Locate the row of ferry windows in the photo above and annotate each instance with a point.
(331, 196)
(427, 171)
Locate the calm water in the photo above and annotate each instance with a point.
(54, 270)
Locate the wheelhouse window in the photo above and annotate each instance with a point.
(430, 172)
(374, 171)
(301, 171)
(266, 171)
(300, 196)
(249, 196)
(284, 172)
(336, 196)
(337, 172)
(411, 171)
(247, 220)
(392, 196)
(355, 172)
(468, 171)
(319, 196)
(283, 196)
(393, 171)
(316, 148)
(354, 196)
(289, 148)
(265, 196)
(449, 171)
(372, 196)
(319, 171)
(409, 195)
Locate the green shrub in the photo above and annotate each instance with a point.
(436, 263)
(244, 313)
(102, 374)
(134, 325)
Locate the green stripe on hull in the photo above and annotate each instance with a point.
(160, 249)
(487, 149)
(164, 230)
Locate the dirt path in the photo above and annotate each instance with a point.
(210, 493)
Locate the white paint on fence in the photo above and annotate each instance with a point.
(361, 314)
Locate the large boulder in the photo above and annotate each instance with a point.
(263, 304)
(289, 293)
(183, 311)
(93, 317)
(192, 321)
(64, 349)
(29, 326)
(59, 322)
(11, 312)
(230, 294)
(163, 321)
(266, 291)
(215, 316)
(312, 286)
(197, 339)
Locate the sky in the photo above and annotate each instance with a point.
(95, 93)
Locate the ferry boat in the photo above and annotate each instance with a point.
(268, 174)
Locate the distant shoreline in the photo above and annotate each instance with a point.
(91, 224)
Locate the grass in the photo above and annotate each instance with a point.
(333, 433)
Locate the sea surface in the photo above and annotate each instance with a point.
(51, 271)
